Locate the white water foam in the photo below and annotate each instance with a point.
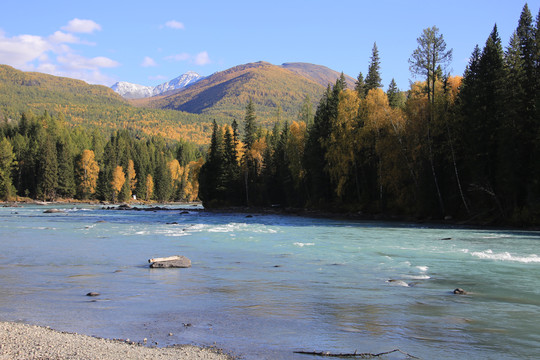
(506, 256)
(303, 244)
(397, 283)
(418, 277)
(422, 268)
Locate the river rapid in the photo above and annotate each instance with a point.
(264, 286)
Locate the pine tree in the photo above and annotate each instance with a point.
(66, 171)
(429, 60)
(429, 56)
(373, 78)
(360, 86)
(250, 127)
(395, 99)
(7, 162)
(48, 175)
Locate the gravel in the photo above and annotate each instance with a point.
(21, 341)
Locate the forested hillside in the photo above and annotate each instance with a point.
(276, 92)
(456, 147)
(92, 106)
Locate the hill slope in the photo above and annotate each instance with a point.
(92, 106)
(318, 73)
(226, 93)
(21, 90)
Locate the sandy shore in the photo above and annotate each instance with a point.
(21, 341)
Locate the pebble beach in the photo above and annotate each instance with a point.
(28, 342)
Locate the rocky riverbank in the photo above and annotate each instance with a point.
(21, 341)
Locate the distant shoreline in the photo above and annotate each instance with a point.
(22, 341)
(276, 210)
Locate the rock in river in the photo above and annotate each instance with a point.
(170, 262)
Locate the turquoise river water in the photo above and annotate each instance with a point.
(264, 286)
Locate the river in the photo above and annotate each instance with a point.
(264, 286)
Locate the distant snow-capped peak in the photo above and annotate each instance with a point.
(136, 91)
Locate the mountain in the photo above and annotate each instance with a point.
(21, 90)
(92, 107)
(318, 73)
(226, 93)
(135, 91)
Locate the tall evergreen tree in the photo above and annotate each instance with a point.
(360, 86)
(428, 57)
(7, 161)
(250, 127)
(373, 78)
(66, 169)
(48, 175)
(394, 95)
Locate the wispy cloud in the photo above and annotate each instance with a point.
(81, 26)
(20, 50)
(148, 62)
(173, 24)
(200, 59)
(61, 37)
(53, 55)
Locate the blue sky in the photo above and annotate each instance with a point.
(150, 42)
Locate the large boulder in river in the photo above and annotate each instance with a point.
(54, 211)
(170, 262)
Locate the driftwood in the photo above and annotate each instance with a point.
(355, 354)
(168, 258)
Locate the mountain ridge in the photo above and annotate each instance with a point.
(273, 89)
(135, 91)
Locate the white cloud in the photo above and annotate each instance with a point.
(202, 58)
(74, 61)
(148, 62)
(81, 26)
(53, 54)
(62, 37)
(173, 24)
(20, 50)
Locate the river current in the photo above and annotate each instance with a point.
(264, 286)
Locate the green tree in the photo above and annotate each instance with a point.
(66, 169)
(7, 163)
(395, 97)
(48, 174)
(373, 78)
(429, 58)
(250, 126)
(360, 86)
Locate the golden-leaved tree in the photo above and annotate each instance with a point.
(88, 174)
(118, 180)
(131, 177)
(340, 153)
(149, 187)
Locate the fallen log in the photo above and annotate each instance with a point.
(355, 354)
